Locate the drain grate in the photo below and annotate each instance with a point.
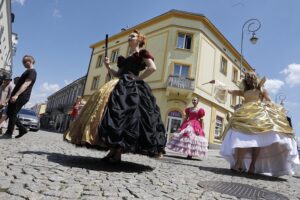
(241, 190)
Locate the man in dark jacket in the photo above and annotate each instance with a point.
(19, 97)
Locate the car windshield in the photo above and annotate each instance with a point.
(27, 112)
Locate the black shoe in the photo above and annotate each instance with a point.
(106, 158)
(189, 157)
(6, 135)
(21, 133)
(113, 160)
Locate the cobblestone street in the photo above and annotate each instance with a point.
(42, 166)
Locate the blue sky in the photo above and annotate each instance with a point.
(59, 32)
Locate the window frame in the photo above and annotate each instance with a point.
(184, 43)
(95, 84)
(234, 77)
(113, 56)
(218, 128)
(181, 64)
(223, 69)
(100, 61)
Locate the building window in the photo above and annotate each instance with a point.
(184, 41)
(114, 56)
(219, 127)
(242, 100)
(100, 61)
(181, 70)
(234, 75)
(233, 100)
(223, 67)
(95, 83)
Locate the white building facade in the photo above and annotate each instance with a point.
(59, 104)
(8, 39)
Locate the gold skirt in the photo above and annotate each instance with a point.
(84, 130)
(259, 118)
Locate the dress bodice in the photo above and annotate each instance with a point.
(134, 63)
(194, 113)
(252, 95)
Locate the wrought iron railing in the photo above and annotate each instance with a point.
(181, 82)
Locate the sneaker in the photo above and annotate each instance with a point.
(21, 133)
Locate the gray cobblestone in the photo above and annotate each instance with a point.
(40, 166)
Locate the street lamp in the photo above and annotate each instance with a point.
(280, 97)
(253, 26)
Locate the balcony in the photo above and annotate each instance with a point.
(180, 85)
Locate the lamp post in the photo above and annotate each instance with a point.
(253, 26)
(280, 97)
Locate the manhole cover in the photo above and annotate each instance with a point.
(241, 190)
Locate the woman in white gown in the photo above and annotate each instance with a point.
(258, 137)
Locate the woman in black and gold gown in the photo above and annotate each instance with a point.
(122, 115)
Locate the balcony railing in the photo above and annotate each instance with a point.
(181, 82)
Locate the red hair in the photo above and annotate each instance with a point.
(141, 38)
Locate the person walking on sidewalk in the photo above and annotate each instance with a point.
(6, 89)
(19, 97)
(79, 103)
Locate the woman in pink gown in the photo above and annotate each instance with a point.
(190, 140)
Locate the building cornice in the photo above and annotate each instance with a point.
(183, 15)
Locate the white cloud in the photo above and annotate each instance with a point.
(21, 2)
(40, 95)
(49, 88)
(292, 104)
(273, 85)
(56, 13)
(67, 82)
(35, 98)
(292, 73)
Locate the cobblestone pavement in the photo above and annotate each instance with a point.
(41, 166)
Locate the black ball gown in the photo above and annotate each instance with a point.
(122, 114)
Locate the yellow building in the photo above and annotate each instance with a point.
(39, 109)
(189, 51)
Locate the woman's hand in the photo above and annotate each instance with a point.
(106, 63)
(13, 99)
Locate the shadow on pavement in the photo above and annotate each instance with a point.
(182, 157)
(91, 163)
(179, 160)
(228, 172)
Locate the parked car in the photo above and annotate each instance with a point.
(29, 119)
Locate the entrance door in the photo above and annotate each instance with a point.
(174, 122)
